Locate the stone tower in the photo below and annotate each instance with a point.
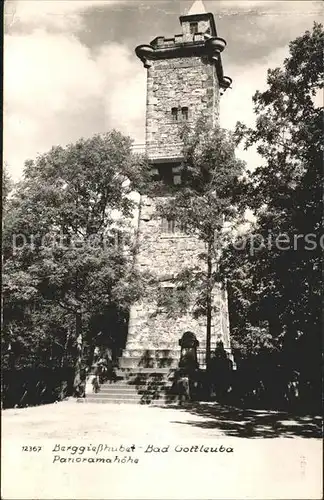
(184, 81)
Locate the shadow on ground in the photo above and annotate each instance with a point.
(248, 423)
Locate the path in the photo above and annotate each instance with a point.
(285, 463)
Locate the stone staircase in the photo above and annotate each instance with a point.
(135, 386)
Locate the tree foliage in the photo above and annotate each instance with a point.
(279, 285)
(205, 204)
(67, 250)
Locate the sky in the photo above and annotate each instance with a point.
(70, 70)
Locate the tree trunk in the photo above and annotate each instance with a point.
(64, 383)
(78, 382)
(209, 304)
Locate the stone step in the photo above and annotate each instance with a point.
(112, 390)
(129, 397)
(139, 399)
(142, 401)
(143, 390)
(155, 371)
(135, 386)
(150, 363)
(109, 401)
(131, 351)
(145, 381)
(129, 389)
(131, 377)
(117, 395)
(148, 376)
(135, 370)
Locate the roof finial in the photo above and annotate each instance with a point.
(197, 8)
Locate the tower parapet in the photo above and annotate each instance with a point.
(186, 45)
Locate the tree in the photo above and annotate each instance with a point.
(205, 203)
(285, 194)
(67, 247)
(7, 185)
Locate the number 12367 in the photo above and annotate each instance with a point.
(31, 448)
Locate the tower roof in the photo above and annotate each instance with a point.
(197, 8)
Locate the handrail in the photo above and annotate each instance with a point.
(151, 148)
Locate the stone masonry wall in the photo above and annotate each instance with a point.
(164, 256)
(174, 83)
